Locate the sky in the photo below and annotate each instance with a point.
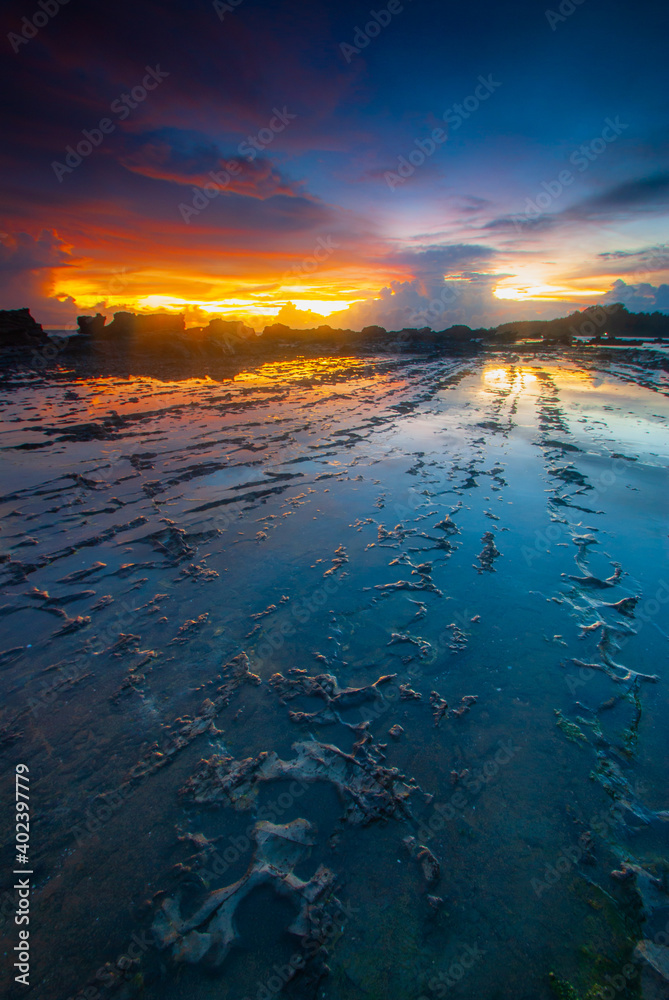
(418, 163)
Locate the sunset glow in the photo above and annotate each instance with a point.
(320, 191)
(334, 344)
(546, 293)
(251, 308)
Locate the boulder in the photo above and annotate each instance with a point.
(19, 329)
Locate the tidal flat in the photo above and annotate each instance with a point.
(339, 677)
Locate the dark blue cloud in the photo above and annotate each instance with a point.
(642, 297)
(638, 195)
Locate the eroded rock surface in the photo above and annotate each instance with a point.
(368, 790)
(207, 934)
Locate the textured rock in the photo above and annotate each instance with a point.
(235, 673)
(407, 693)
(438, 705)
(426, 859)
(324, 686)
(488, 553)
(208, 933)
(657, 956)
(368, 790)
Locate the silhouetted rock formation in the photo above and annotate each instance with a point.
(371, 337)
(19, 329)
(278, 333)
(165, 334)
(92, 325)
(228, 336)
(130, 327)
(373, 332)
(161, 325)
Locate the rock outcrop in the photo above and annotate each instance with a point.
(167, 333)
(19, 329)
(221, 336)
(92, 326)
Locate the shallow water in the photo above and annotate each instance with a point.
(136, 506)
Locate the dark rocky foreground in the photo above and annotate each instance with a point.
(338, 676)
(19, 329)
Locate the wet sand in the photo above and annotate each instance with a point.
(486, 538)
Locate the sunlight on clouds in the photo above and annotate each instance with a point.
(253, 307)
(546, 293)
(323, 306)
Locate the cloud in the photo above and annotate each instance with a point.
(448, 285)
(23, 252)
(431, 263)
(646, 193)
(190, 158)
(522, 222)
(643, 297)
(300, 319)
(468, 301)
(619, 203)
(27, 269)
(645, 260)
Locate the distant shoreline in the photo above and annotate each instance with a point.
(165, 337)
